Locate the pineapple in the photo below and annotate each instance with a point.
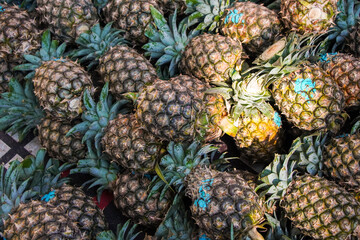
(122, 66)
(345, 70)
(169, 6)
(131, 16)
(176, 110)
(309, 15)
(59, 83)
(208, 57)
(256, 26)
(19, 35)
(52, 136)
(221, 201)
(113, 130)
(319, 208)
(36, 220)
(252, 121)
(306, 94)
(130, 190)
(342, 160)
(67, 19)
(310, 99)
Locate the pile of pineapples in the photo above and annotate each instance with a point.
(206, 119)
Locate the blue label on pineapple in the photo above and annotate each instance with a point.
(304, 85)
(324, 57)
(234, 16)
(204, 198)
(204, 237)
(2, 9)
(342, 135)
(49, 196)
(277, 119)
(58, 59)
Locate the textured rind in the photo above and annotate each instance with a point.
(40, 220)
(342, 160)
(168, 109)
(345, 70)
(19, 34)
(258, 137)
(130, 196)
(231, 200)
(81, 209)
(309, 15)
(126, 70)
(257, 28)
(52, 136)
(131, 16)
(212, 57)
(59, 86)
(321, 209)
(129, 145)
(69, 18)
(6, 74)
(309, 110)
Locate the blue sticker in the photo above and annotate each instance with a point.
(58, 59)
(304, 85)
(277, 119)
(324, 56)
(2, 9)
(204, 237)
(204, 198)
(49, 196)
(234, 16)
(342, 135)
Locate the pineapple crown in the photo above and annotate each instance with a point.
(94, 43)
(123, 232)
(285, 55)
(167, 41)
(280, 229)
(49, 51)
(29, 5)
(177, 224)
(96, 116)
(178, 163)
(206, 14)
(305, 155)
(98, 165)
(12, 191)
(348, 16)
(20, 111)
(27, 180)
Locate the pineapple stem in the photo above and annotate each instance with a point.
(255, 235)
(227, 125)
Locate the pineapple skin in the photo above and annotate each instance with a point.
(52, 136)
(59, 86)
(126, 70)
(80, 208)
(212, 57)
(19, 35)
(256, 26)
(219, 198)
(258, 136)
(167, 109)
(345, 70)
(132, 16)
(309, 15)
(129, 145)
(321, 209)
(130, 196)
(310, 99)
(67, 19)
(342, 160)
(40, 220)
(351, 45)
